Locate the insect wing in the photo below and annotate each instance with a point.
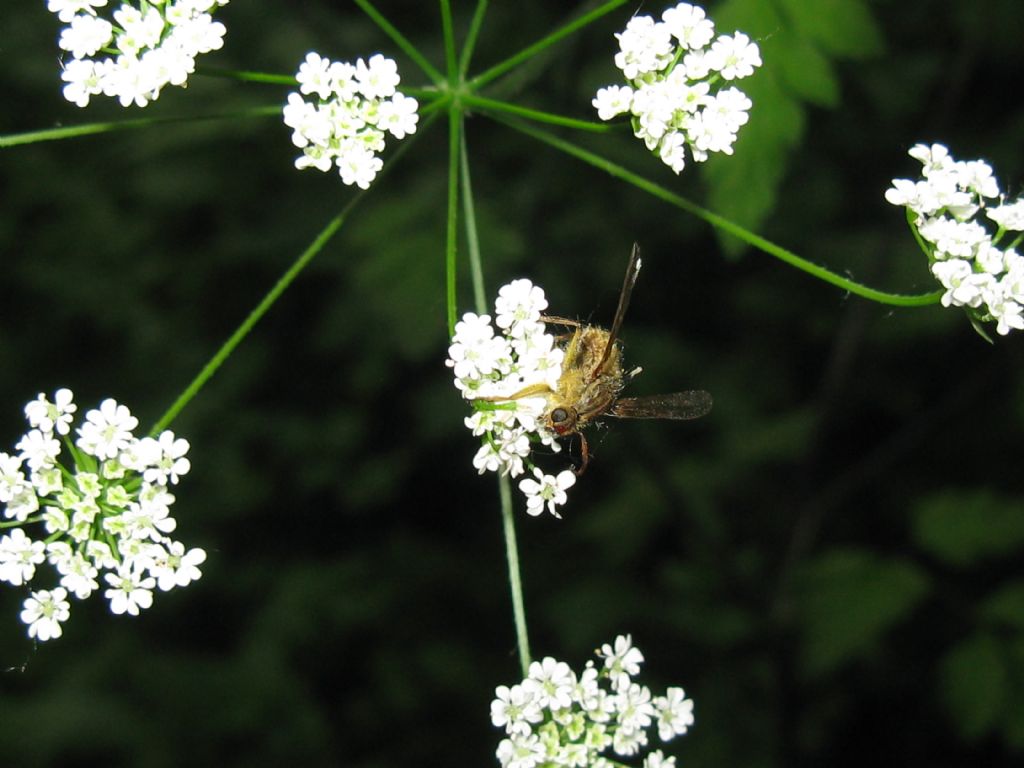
(632, 272)
(679, 405)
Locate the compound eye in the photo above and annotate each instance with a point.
(559, 416)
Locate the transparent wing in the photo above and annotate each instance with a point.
(679, 405)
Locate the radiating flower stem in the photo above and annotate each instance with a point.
(400, 40)
(247, 75)
(92, 129)
(470, 43)
(448, 33)
(275, 292)
(472, 238)
(484, 103)
(451, 232)
(545, 42)
(719, 222)
(504, 484)
(515, 583)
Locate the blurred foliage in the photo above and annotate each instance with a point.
(830, 563)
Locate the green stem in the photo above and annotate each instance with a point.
(472, 236)
(92, 129)
(275, 292)
(471, 36)
(515, 583)
(493, 105)
(399, 39)
(504, 490)
(247, 76)
(448, 32)
(451, 232)
(499, 69)
(719, 222)
(261, 309)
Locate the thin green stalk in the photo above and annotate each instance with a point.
(247, 75)
(471, 36)
(261, 309)
(512, 555)
(507, 514)
(451, 233)
(882, 297)
(92, 129)
(493, 105)
(410, 50)
(499, 69)
(275, 292)
(448, 31)
(472, 238)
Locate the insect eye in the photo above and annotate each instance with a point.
(559, 416)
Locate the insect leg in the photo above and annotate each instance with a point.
(584, 455)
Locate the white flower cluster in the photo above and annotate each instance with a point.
(507, 377)
(356, 106)
(556, 718)
(106, 510)
(675, 90)
(146, 47)
(978, 273)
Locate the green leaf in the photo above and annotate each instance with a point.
(962, 527)
(797, 48)
(1006, 606)
(848, 599)
(973, 685)
(806, 72)
(842, 28)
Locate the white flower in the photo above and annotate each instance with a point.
(515, 709)
(130, 590)
(658, 760)
(670, 72)
(39, 449)
(177, 568)
(546, 488)
(44, 611)
(622, 660)
(138, 51)
(978, 273)
(688, 24)
(378, 78)
(1008, 215)
(66, 10)
(19, 556)
(551, 683)
(613, 100)
(314, 76)
(734, 56)
(107, 431)
(12, 478)
(165, 458)
(675, 713)
(55, 416)
(399, 116)
(521, 751)
(644, 46)
(86, 35)
(518, 307)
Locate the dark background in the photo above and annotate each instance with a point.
(829, 563)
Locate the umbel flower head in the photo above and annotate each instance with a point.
(980, 269)
(103, 510)
(353, 107)
(137, 51)
(558, 718)
(491, 369)
(678, 90)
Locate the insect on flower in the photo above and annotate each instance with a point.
(593, 378)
